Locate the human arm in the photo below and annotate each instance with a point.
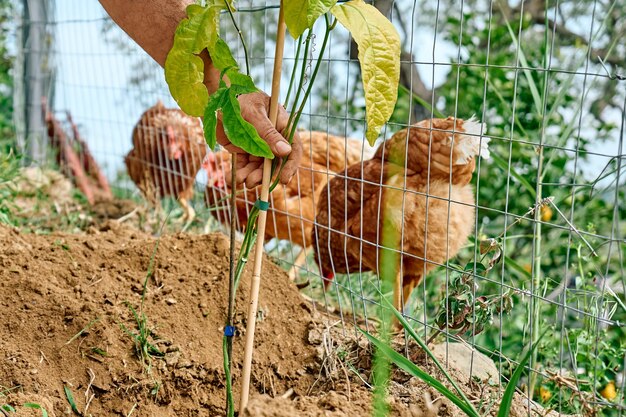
(152, 24)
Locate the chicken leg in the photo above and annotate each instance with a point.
(402, 289)
(298, 263)
(189, 213)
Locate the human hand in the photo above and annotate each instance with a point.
(254, 109)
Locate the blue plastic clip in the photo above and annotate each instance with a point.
(262, 205)
(229, 331)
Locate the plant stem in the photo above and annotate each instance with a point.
(536, 282)
(307, 45)
(293, 71)
(258, 256)
(243, 43)
(232, 288)
(251, 230)
(228, 342)
(298, 113)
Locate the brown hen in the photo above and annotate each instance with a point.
(425, 206)
(168, 149)
(292, 206)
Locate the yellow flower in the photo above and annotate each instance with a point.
(545, 394)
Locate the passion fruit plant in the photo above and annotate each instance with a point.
(379, 56)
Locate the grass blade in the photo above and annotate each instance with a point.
(526, 70)
(44, 413)
(505, 166)
(70, 399)
(422, 102)
(507, 398)
(405, 364)
(430, 354)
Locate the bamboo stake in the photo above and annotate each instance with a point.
(265, 186)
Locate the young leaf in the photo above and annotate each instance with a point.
(210, 115)
(240, 132)
(184, 70)
(221, 56)
(379, 56)
(200, 30)
(184, 74)
(302, 14)
(240, 83)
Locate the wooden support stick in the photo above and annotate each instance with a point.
(265, 188)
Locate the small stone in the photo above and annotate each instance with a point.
(202, 305)
(172, 358)
(34, 371)
(170, 301)
(184, 364)
(90, 245)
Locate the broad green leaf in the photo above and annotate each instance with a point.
(210, 115)
(184, 74)
(379, 56)
(200, 30)
(184, 70)
(414, 370)
(221, 56)
(240, 83)
(241, 133)
(302, 14)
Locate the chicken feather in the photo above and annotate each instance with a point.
(168, 149)
(416, 188)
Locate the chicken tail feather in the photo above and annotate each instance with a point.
(472, 143)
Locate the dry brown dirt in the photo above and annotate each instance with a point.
(65, 301)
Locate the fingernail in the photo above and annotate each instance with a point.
(283, 148)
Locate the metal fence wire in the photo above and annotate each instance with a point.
(534, 242)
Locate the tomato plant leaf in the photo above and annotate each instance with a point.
(241, 133)
(302, 14)
(379, 56)
(209, 122)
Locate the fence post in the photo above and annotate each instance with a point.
(33, 78)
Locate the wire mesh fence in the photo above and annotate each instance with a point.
(528, 240)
